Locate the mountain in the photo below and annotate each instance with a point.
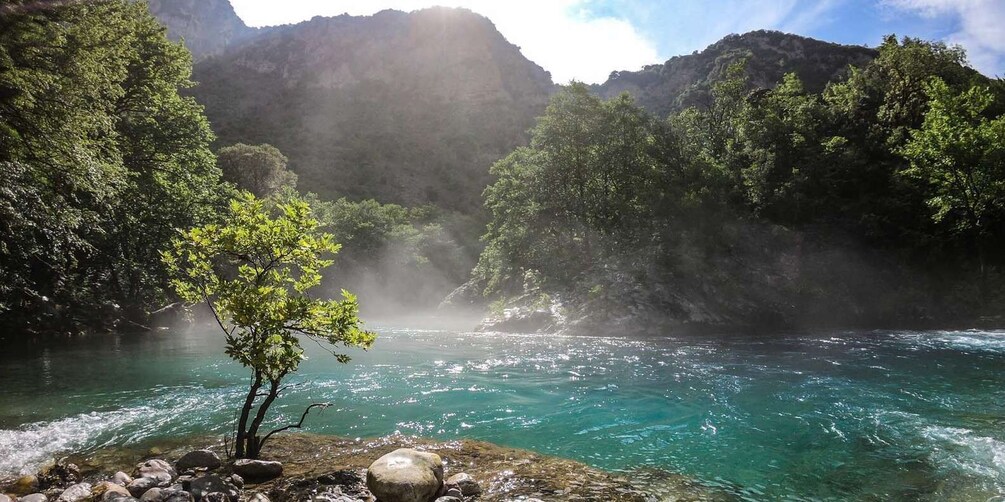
(207, 26)
(410, 108)
(687, 80)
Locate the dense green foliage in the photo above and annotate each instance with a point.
(101, 160)
(259, 169)
(767, 199)
(256, 272)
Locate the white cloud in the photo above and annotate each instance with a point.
(981, 32)
(555, 34)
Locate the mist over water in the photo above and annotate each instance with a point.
(896, 414)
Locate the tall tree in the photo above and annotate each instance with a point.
(960, 153)
(102, 159)
(259, 169)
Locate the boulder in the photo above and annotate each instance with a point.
(259, 497)
(469, 487)
(153, 495)
(107, 490)
(121, 478)
(198, 459)
(236, 480)
(448, 498)
(75, 493)
(34, 497)
(214, 497)
(155, 479)
(200, 487)
(4, 498)
(405, 475)
(154, 465)
(178, 496)
(259, 470)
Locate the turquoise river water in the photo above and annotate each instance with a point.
(838, 415)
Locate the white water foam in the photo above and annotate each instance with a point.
(25, 449)
(963, 452)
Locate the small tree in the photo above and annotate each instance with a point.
(255, 273)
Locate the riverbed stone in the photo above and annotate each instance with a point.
(211, 483)
(106, 490)
(34, 497)
(236, 480)
(405, 475)
(178, 496)
(258, 497)
(469, 487)
(449, 498)
(258, 470)
(4, 498)
(75, 493)
(121, 478)
(155, 465)
(198, 459)
(156, 479)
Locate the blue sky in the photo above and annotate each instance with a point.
(587, 39)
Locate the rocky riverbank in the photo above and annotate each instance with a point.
(329, 469)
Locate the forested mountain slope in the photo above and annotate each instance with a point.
(409, 108)
(687, 80)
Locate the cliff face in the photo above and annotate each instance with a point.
(410, 108)
(207, 26)
(687, 80)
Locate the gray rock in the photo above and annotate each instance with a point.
(448, 498)
(201, 487)
(34, 497)
(454, 492)
(153, 479)
(4, 498)
(215, 497)
(469, 487)
(258, 469)
(236, 480)
(153, 495)
(259, 497)
(405, 475)
(75, 493)
(178, 496)
(198, 459)
(154, 465)
(107, 490)
(122, 479)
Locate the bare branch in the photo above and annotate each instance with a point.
(297, 425)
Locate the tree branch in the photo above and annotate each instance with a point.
(296, 425)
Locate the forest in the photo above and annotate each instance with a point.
(878, 200)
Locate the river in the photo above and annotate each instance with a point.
(830, 415)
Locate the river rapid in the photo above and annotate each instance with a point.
(828, 415)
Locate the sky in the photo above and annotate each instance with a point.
(586, 40)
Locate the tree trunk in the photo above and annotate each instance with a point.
(240, 446)
(254, 442)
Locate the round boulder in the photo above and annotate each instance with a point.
(257, 470)
(469, 487)
(212, 483)
(34, 497)
(405, 475)
(4, 498)
(198, 459)
(75, 493)
(106, 490)
(121, 478)
(153, 465)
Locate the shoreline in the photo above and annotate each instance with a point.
(311, 462)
